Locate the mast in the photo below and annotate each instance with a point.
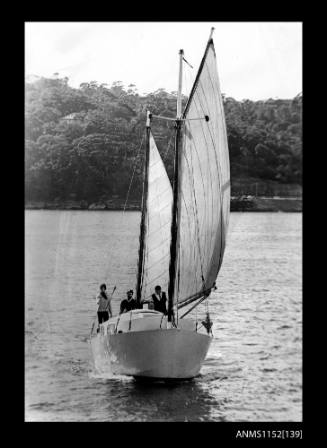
(176, 196)
(179, 91)
(144, 212)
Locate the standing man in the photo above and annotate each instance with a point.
(129, 303)
(159, 300)
(104, 304)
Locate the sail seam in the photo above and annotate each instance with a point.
(156, 262)
(161, 226)
(160, 210)
(220, 111)
(156, 278)
(208, 146)
(217, 164)
(159, 194)
(207, 155)
(195, 212)
(193, 251)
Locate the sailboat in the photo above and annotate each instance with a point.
(183, 233)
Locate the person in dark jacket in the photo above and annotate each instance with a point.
(129, 303)
(159, 300)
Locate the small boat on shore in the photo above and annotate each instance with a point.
(182, 241)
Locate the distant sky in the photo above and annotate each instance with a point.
(256, 60)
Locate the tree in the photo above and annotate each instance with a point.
(85, 142)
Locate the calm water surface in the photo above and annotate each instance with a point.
(253, 371)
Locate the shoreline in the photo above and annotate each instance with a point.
(238, 204)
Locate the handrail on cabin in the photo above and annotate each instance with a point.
(130, 321)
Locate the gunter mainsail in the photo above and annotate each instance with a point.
(204, 186)
(201, 198)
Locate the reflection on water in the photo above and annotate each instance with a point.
(253, 371)
(138, 401)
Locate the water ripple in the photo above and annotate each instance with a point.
(253, 371)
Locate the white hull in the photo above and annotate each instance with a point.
(158, 353)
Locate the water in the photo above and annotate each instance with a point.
(253, 371)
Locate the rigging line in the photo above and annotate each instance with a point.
(188, 300)
(168, 147)
(189, 80)
(136, 159)
(187, 62)
(181, 119)
(194, 306)
(163, 118)
(134, 169)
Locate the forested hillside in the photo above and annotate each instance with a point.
(83, 144)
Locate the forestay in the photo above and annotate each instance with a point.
(205, 185)
(158, 222)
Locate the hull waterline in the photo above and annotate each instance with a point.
(174, 353)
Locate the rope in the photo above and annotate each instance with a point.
(168, 148)
(181, 119)
(134, 169)
(130, 184)
(164, 118)
(187, 62)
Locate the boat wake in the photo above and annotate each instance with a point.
(101, 365)
(94, 374)
(100, 368)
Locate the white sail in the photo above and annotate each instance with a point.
(205, 185)
(158, 224)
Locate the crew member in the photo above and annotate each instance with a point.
(159, 300)
(104, 304)
(129, 303)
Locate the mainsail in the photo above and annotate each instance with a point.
(155, 263)
(203, 185)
